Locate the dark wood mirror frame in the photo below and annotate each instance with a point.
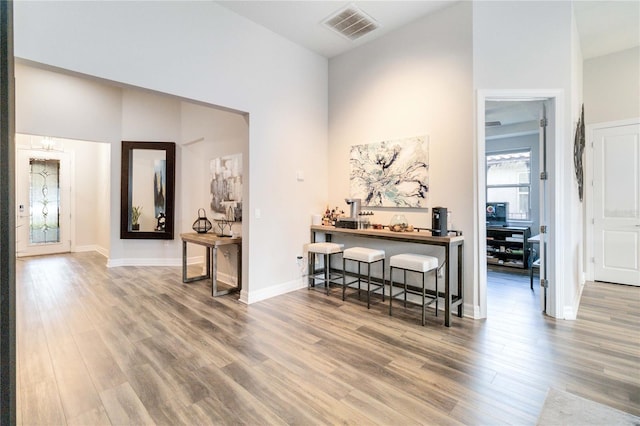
(126, 190)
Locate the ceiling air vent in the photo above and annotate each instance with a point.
(351, 23)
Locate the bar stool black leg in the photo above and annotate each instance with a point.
(327, 272)
(344, 277)
(368, 285)
(390, 289)
(424, 295)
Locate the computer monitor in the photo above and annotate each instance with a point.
(497, 213)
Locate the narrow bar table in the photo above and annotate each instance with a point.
(424, 237)
(211, 242)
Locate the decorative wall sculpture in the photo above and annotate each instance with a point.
(578, 149)
(391, 173)
(226, 187)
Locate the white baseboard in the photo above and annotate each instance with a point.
(81, 249)
(273, 291)
(114, 263)
(471, 308)
(91, 247)
(571, 312)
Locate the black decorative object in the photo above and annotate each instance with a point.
(222, 224)
(578, 150)
(202, 225)
(161, 222)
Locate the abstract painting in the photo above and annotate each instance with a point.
(391, 173)
(226, 187)
(159, 187)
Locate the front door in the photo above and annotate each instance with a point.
(42, 203)
(616, 204)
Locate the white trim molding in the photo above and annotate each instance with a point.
(272, 291)
(555, 305)
(114, 263)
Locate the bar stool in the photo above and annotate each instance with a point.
(414, 263)
(362, 255)
(325, 249)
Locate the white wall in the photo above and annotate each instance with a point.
(575, 272)
(147, 117)
(414, 81)
(529, 46)
(89, 215)
(211, 55)
(49, 103)
(103, 204)
(612, 87)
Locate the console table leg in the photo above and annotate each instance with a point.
(447, 286)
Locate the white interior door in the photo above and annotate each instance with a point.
(616, 204)
(42, 202)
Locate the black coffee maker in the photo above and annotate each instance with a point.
(439, 221)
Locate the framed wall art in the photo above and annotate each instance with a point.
(391, 173)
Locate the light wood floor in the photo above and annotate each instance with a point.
(135, 345)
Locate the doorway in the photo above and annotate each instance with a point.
(43, 201)
(548, 299)
(62, 205)
(512, 150)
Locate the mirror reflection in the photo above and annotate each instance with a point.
(148, 170)
(148, 189)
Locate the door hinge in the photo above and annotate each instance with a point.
(543, 122)
(544, 283)
(543, 229)
(544, 176)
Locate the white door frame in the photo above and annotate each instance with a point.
(555, 157)
(590, 129)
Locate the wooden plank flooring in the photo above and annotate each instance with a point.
(135, 345)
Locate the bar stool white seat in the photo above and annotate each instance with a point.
(362, 255)
(326, 250)
(414, 263)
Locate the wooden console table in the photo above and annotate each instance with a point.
(449, 243)
(211, 242)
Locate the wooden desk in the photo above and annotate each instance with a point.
(424, 237)
(211, 242)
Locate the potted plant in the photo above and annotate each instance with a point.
(136, 211)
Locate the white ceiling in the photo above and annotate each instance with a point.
(301, 21)
(604, 26)
(607, 26)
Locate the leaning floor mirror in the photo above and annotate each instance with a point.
(147, 190)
